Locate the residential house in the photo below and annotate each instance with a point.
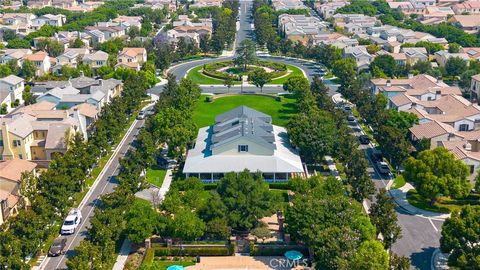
(400, 58)
(415, 54)
(39, 3)
(468, 152)
(11, 91)
(67, 94)
(299, 28)
(472, 52)
(19, 23)
(469, 23)
(200, 3)
(48, 19)
(16, 55)
(287, 4)
(10, 185)
(96, 60)
(436, 15)
(475, 87)
(64, 4)
(334, 39)
(467, 7)
(109, 32)
(327, 9)
(13, 5)
(442, 57)
(129, 21)
(241, 139)
(132, 58)
(185, 28)
(41, 60)
(70, 57)
(360, 54)
(85, 6)
(435, 132)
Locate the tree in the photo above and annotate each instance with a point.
(77, 43)
(422, 66)
(393, 144)
(262, 232)
(185, 225)
(371, 256)
(454, 47)
(455, 66)
(204, 44)
(401, 120)
(228, 82)
(218, 229)
(466, 79)
(18, 43)
(460, 238)
(383, 216)
(4, 109)
(28, 69)
(358, 179)
(296, 85)
(386, 63)
(245, 54)
(247, 199)
(314, 132)
(399, 262)
(52, 47)
(140, 220)
(346, 70)
(8, 35)
(260, 77)
(437, 172)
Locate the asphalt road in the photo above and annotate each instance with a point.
(420, 235)
(105, 184)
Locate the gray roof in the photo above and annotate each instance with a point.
(12, 80)
(243, 122)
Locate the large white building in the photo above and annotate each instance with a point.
(241, 139)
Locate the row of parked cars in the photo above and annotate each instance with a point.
(69, 226)
(377, 159)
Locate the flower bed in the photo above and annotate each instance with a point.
(212, 69)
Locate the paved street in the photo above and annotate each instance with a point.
(106, 184)
(420, 235)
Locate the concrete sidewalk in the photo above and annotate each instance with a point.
(400, 197)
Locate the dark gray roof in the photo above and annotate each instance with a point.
(243, 122)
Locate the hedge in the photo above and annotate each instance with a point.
(211, 69)
(149, 255)
(275, 250)
(279, 185)
(193, 251)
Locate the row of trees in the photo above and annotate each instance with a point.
(50, 193)
(115, 214)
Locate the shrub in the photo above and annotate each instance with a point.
(276, 250)
(209, 99)
(279, 98)
(279, 185)
(192, 251)
(149, 255)
(279, 69)
(210, 186)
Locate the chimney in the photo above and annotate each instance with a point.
(389, 83)
(82, 74)
(410, 76)
(439, 80)
(438, 94)
(467, 146)
(7, 150)
(100, 82)
(414, 104)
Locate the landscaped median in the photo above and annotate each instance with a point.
(216, 73)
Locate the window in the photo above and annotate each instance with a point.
(243, 148)
(463, 127)
(1, 143)
(17, 143)
(472, 169)
(20, 156)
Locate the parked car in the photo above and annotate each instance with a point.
(364, 139)
(58, 247)
(350, 118)
(383, 167)
(347, 108)
(71, 222)
(141, 115)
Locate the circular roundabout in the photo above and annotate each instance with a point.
(219, 72)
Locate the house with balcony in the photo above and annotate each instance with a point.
(41, 60)
(243, 139)
(132, 58)
(11, 91)
(48, 19)
(96, 60)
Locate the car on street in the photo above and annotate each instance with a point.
(58, 247)
(141, 115)
(71, 222)
(364, 139)
(382, 167)
(351, 118)
(347, 108)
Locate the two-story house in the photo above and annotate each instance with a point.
(132, 58)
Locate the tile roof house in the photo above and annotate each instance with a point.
(241, 139)
(67, 94)
(442, 57)
(472, 52)
(415, 54)
(41, 60)
(10, 182)
(183, 27)
(470, 7)
(48, 19)
(96, 59)
(300, 28)
(132, 58)
(469, 23)
(327, 9)
(360, 54)
(287, 4)
(109, 32)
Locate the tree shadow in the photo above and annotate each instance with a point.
(422, 260)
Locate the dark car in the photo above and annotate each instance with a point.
(58, 247)
(350, 118)
(364, 139)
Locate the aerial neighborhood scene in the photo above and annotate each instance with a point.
(239, 134)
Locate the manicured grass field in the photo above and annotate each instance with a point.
(156, 176)
(195, 75)
(398, 182)
(163, 265)
(295, 72)
(280, 111)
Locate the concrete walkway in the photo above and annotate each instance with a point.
(400, 197)
(332, 167)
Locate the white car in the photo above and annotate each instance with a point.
(71, 222)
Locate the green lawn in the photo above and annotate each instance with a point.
(398, 182)
(280, 111)
(156, 176)
(442, 205)
(295, 72)
(163, 265)
(195, 75)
